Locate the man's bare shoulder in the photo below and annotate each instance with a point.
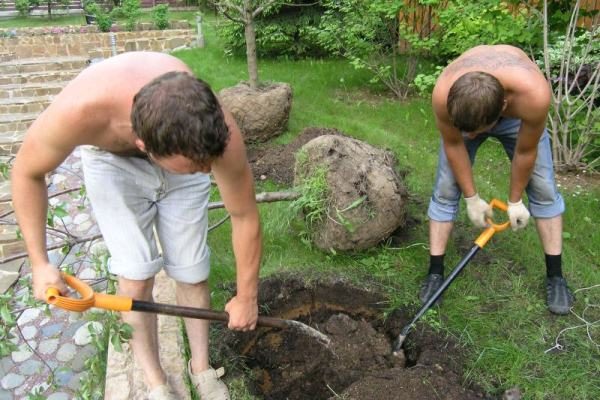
(493, 60)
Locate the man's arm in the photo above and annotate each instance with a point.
(236, 186)
(453, 143)
(42, 151)
(533, 123)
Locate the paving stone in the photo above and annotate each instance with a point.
(51, 330)
(12, 381)
(31, 367)
(75, 382)
(66, 352)
(83, 335)
(5, 395)
(72, 327)
(48, 346)
(6, 364)
(58, 396)
(28, 315)
(78, 362)
(29, 332)
(24, 353)
(63, 376)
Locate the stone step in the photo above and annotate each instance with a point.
(31, 90)
(38, 77)
(24, 105)
(30, 65)
(13, 127)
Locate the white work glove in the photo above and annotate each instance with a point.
(518, 215)
(478, 210)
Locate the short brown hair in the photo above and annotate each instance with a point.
(475, 100)
(178, 114)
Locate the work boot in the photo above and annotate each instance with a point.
(431, 284)
(208, 384)
(559, 296)
(162, 392)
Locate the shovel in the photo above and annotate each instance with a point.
(481, 241)
(91, 299)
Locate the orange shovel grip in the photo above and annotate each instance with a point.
(493, 228)
(88, 298)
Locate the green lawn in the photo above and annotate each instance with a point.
(76, 20)
(496, 309)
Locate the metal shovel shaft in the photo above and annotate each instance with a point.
(221, 316)
(463, 263)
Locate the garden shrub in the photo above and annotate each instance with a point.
(160, 16)
(281, 31)
(131, 10)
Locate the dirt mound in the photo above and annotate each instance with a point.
(359, 363)
(261, 113)
(276, 162)
(365, 195)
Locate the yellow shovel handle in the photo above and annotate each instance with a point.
(487, 234)
(88, 298)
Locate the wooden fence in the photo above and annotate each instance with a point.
(423, 18)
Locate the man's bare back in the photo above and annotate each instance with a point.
(523, 82)
(100, 101)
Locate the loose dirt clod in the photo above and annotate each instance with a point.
(360, 365)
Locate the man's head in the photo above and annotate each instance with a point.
(178, 116)
(475, 101)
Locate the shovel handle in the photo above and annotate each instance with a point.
(487, 234)
(88, 298)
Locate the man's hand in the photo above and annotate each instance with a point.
(45, 276)
(478, 210)
(518, 215)
(242, 314)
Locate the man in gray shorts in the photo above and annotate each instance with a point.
(151, 133)
(496, 91)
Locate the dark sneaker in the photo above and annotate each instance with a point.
(560, 299)
(431, 284)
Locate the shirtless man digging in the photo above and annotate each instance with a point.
(496, 91)
(150, 134)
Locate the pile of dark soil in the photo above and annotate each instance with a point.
(276, 161)
(288, 364)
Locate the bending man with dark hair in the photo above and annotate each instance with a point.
(150, 133)
(496, 91)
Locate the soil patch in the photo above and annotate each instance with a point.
(276, 161)
(287, 364)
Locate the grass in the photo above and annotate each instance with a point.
(496, 309)
(77, 20)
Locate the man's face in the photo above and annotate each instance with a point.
(479, 131)
(178, 164)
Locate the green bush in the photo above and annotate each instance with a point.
(130, 10)
(284, 31)
(464, 24)
(160, 16)
(22, 7)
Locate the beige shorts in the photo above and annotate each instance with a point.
(132, 198)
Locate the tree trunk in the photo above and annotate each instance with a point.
(250, 33)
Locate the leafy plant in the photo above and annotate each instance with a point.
(283, 32)
(369, 34)
(572, 65)
(130, 10)
(245, 12)
(464, 24)
(160, 16)
(314, 192)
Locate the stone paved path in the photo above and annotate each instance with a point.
(57, 342)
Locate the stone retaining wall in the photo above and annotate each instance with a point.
(86, 41)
